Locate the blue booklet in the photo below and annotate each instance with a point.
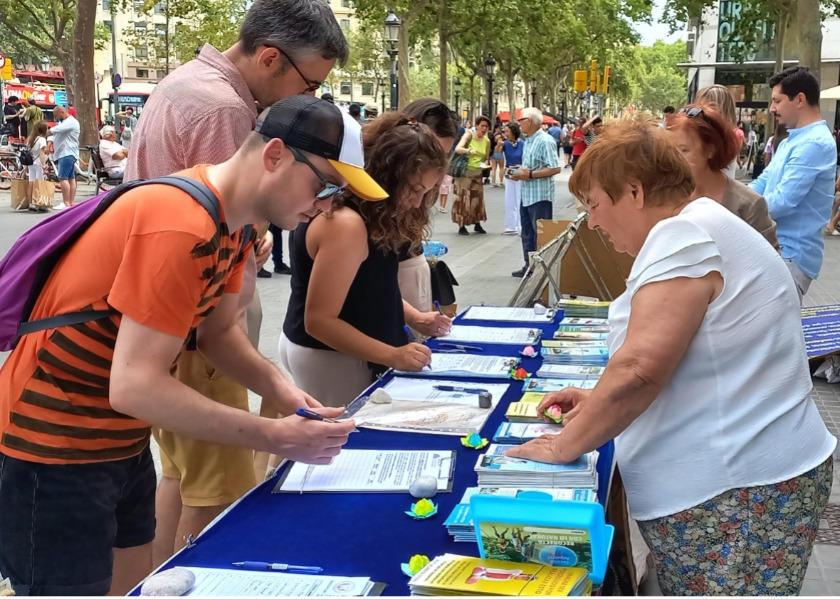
(515, 433)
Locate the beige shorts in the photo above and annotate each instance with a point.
(210, 474)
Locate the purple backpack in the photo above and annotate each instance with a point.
(25, 269)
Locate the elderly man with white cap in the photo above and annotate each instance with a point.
(114, 155)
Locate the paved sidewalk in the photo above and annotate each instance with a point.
(482, 264)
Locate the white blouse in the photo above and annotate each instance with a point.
(737, 412)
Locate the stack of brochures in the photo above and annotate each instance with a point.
(579, 356)
(450, 575)
(587, 308)
(583, 329)
(460, 523)
(496, 469)
(570, 371)
(516, 433)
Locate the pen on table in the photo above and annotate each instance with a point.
(460, 346)
(459, 389)
(310, 415)
(291, 569)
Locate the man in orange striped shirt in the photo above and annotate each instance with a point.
(77, 480)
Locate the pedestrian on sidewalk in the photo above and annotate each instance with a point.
(513, 148)
(66, 143)
(468, 207)
(41, 191)
(799, 183)
(539, 165)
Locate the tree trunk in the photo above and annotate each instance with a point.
(511, 92)
(403, 67)
(83, 83)
(472, 99)
(810, 35)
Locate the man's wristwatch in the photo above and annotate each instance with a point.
(530, 174)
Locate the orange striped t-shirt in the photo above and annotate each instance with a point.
(156, 256)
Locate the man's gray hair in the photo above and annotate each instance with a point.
(297, 27)
(533, 114)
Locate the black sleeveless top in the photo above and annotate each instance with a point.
(373, 304)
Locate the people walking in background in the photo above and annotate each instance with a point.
(539, 165)
(40, 195)
(32, 115)
(468, 207)
(371, 111)
(799, 182)
(497, 157)
(355, 111)
(280, 267)
(12, 113)
(128, 125)
(66, 152)
(567, 145)
(592, 128)
(578, 140)
(512, 148)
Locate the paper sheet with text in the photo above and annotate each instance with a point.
(371, 470)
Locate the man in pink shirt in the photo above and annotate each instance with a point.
(201, 113)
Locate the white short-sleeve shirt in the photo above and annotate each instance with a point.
(737, 412)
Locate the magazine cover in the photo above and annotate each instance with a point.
(563, 547)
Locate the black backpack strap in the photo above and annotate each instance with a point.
(198, 191)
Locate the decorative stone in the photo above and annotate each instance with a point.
(539, 309)
(169, 583)
(423, 487)
(380, 396)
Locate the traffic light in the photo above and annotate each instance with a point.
(593, 76)
(607, 72)
(580, 81)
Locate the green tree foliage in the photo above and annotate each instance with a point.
(32, 30)
(658, 81)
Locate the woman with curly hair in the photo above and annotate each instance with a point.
(345, 321)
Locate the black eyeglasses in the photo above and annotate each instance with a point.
(692, 112)
(312, 85)
(328, 190)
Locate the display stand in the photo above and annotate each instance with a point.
(545, 262)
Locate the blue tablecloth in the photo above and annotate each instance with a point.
(358, 534)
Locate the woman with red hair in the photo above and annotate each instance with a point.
(709, 145)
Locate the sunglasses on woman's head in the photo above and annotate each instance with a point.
(691, 112)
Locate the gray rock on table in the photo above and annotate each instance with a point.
(423, 487)
(169, 583)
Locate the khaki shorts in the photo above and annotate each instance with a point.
(211, 474)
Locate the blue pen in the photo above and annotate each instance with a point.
(279, 567)
(409, 334)
(439, 309)
(310, 415)
(459, 389)
(460, 346)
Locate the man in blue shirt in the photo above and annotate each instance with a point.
(539, 165)
(798, 184)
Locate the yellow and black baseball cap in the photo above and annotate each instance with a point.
(320, 128)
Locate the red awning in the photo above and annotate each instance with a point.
(505, 116)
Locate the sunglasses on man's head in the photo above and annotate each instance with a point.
(328, 190)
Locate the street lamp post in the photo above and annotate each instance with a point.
(392, 36)
(490, 70)
(496, 95)
(563, 103)
(381, 82)
(533, 92)
(457, 85)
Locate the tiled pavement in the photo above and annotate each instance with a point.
(482, 265)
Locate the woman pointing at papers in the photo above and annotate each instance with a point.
(727, 469)
(346, 319)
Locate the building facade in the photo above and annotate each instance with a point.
(716, 56)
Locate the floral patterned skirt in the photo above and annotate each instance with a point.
(753, 541)
(468, 207)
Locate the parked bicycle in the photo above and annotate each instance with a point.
(10, 166)
(85, 171)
